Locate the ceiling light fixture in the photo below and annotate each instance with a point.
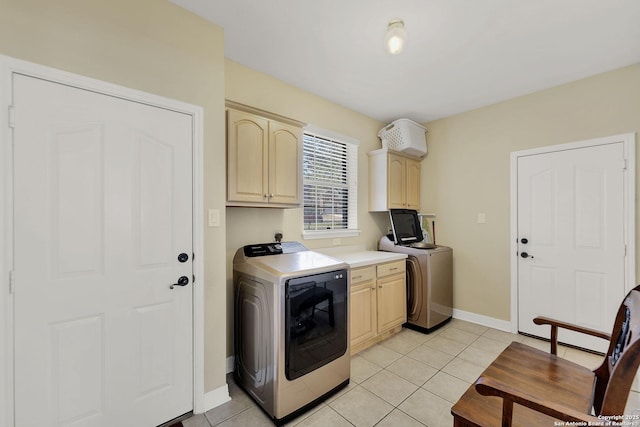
(396, 35)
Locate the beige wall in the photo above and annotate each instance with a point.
(251, 225)
(156, 47)
(467, 171)
(152, 46)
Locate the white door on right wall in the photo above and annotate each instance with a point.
(571, 240)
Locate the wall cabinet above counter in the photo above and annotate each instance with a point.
(264, 158)
(394, 181)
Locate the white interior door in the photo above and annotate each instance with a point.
(571, 239)
(102, 209)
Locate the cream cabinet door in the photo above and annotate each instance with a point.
(363, 312)
(413, 184)
(392, 302)
(248, 157)
(396, 182)
(362, 306)
(285, 161)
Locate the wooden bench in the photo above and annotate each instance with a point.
(528, 387)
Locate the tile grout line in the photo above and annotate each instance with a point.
(492, 340)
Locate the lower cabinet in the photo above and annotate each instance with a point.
(378, 303)
(363, 323)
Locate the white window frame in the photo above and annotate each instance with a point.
(352, 171)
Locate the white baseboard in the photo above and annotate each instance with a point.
(215, 398)
(491, 322)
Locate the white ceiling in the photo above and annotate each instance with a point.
(459, 55)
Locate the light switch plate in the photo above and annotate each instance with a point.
(214, 218)
(482, 218)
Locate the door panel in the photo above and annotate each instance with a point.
(154, 325)
(153, 200)
(102, 200)
(76, 200)
(570, 209)
(78, 375)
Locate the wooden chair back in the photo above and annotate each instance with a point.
(615, 375)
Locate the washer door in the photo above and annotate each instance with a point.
(315, 322)
(415, 289)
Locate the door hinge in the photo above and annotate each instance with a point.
(12, 116)
(12, 278)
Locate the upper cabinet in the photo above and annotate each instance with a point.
(264, 158)
(394, 181)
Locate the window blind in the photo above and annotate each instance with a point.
(330, 183)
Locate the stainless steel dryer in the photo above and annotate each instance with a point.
(291, 334)
(429, 271)
(429, 284)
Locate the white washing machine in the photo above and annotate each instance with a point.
(291, 332)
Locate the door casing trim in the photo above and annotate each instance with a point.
(629, 143)
(10, 66)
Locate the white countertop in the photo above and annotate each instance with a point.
(359, 257)
(362, 259)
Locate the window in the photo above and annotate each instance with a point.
(330, 170)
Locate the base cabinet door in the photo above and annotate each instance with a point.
(391, 302)
(363, 313)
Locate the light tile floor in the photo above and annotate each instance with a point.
(411, 379)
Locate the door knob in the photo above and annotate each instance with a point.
(182, 281)
(183, 257)
(524, 240)
(525, 255)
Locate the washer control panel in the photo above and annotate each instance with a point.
(264, 249)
